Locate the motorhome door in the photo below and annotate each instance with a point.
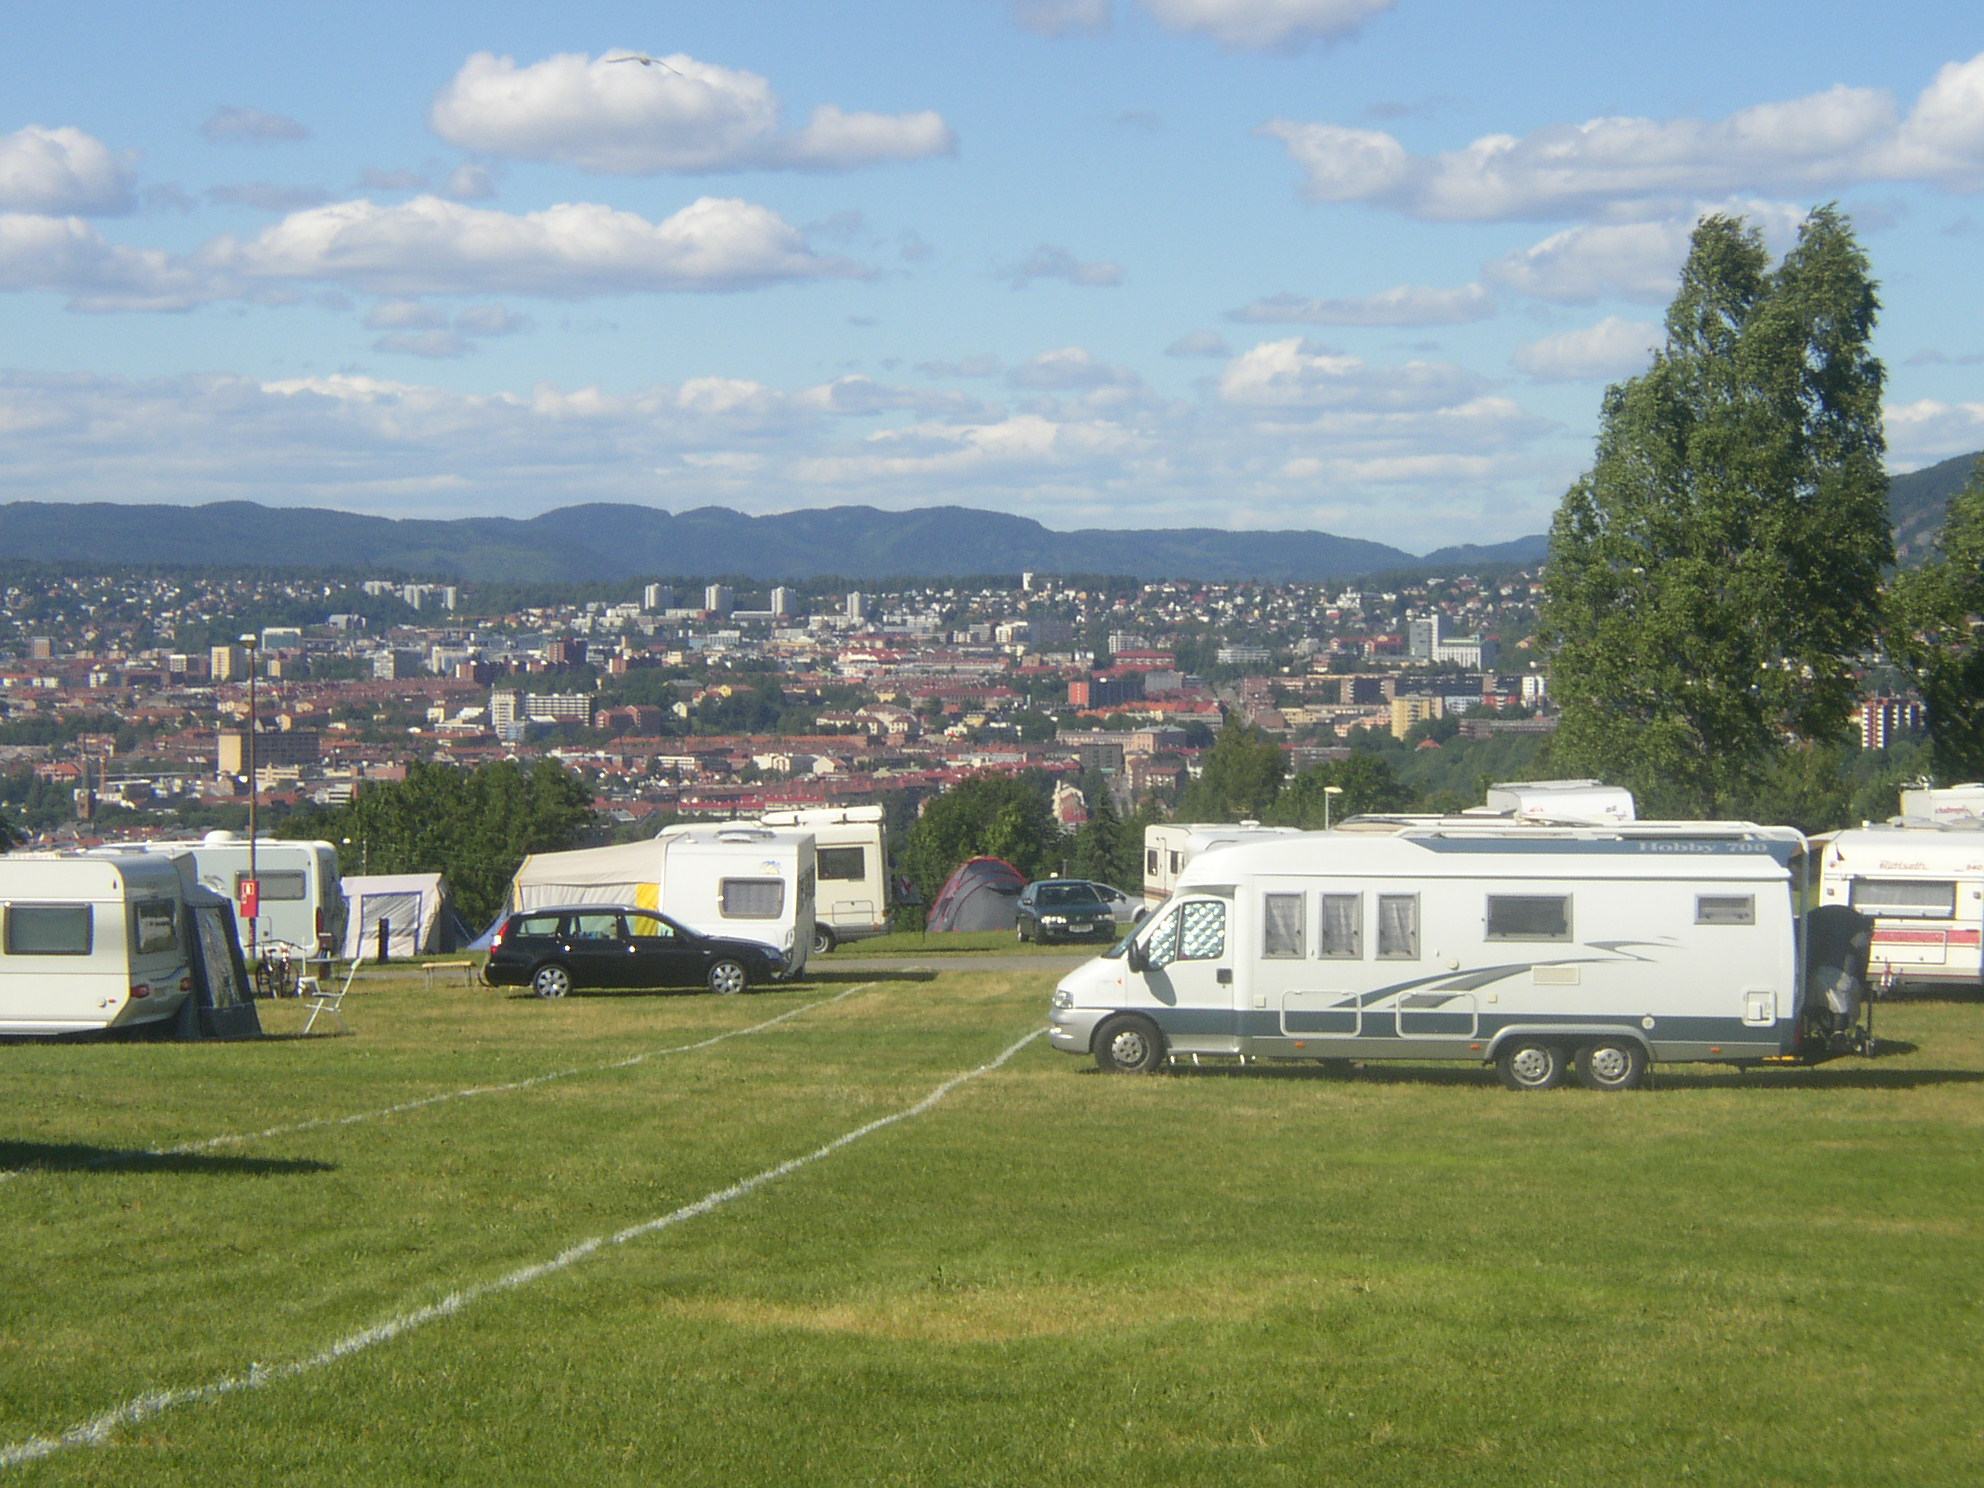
(1188, 965)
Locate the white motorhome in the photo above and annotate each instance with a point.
(735, 879)
(302, 902)
(852, 851)
(1560, 801)
(92, 942)
(1536, 947)
(1922, 882)
(1169, 846)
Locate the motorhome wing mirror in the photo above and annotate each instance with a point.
(1135, 958)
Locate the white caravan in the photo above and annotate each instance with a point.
(91, 942)
(1559, 801)
(302, 902)
(1923, 885)
(737, 879)
(1169, 846)
(1944, 805)
(852, 852)
(1536, 947)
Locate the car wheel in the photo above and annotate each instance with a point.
(1611, 1064)
(728, 978)
(1530, 1064)
(823, 940)
(1128, 1044)
(551, 980)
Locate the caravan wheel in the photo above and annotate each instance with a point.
(823, 940)
(1530, 1064)
(1611, 1064)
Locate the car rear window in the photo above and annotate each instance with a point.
(538, 925)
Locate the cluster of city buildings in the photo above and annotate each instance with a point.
(736, 701)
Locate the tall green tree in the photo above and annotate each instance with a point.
(1240, 776)
(472, 826)
(1099, 843)
(1714, 575)
(1934, 613)
(1001, 816)
(1366, 783)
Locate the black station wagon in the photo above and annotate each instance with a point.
(555, 951)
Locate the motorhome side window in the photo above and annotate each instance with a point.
(1726, 909)
(843, 864)
(156, 922)
(752, 898)
(1529, 917)
(1398, 927)
(1900, 898)
(1281, 926)
(1150, 861)
(48, 930)
(1340, 933)
(277, 885)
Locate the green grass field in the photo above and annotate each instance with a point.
(1269, 1276)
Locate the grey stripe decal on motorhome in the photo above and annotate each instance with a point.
(1606, 846)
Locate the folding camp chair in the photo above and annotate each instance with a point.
(319, 1001)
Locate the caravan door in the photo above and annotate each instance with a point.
(1188, 956)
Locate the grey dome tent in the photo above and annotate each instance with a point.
(982, 895)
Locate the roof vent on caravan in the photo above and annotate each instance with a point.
(744, 834)
(215, 838)
(1589, 802)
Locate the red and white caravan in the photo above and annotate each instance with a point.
(1923, 883)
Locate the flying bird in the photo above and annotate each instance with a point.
(646, 61)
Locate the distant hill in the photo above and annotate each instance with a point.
(1918, 500)
(604, 542)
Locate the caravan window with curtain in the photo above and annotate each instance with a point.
(1281, 926)
(1398, 927)
(1341, 937)
(48, 929)
(752, 898)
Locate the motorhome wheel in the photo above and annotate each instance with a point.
(823, 940)
(728, 978)
(551, 980)
(1611, 1064)
(1128, 1044)
(1529, 1064)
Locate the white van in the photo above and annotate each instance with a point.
(302, 902)
(1536, 947)
(1923, 885)
(736, 879)
(91, 941)
(852, 850)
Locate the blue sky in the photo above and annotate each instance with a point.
(1340, 264)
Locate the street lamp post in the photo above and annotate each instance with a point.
(1329, 791)
(254, 920)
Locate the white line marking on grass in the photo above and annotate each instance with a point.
(97, 1431)
(235, 1139)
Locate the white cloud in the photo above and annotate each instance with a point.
(1049, 262)
(1070, 369)
(470, 183)
(1383, 463)
(405, 315)
(1266, 25)
(431, 246)
(1402, 305)
(423, 246)
(1928, 430)
(251, 126)
(1822, 141)
(1292, 374)
(61, 171)
(1634, 261)
(1199, 344)
(689, 116)
(1611, 349)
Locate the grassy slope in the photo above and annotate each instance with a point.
(1269, 1276)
